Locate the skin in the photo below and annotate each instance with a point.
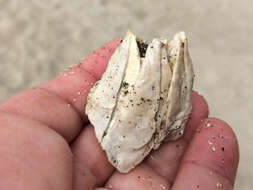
(46, 142)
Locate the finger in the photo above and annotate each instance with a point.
(96, 62)
(166, 159)
(142, 177)
(32, 158)
(91, 168)
(199, 112)
(60, 103)
(211, 160)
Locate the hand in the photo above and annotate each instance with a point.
(46, 142)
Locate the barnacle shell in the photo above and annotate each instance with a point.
(143, 97)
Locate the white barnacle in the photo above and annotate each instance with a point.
(143, 97)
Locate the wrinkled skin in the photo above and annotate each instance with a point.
(46, 142)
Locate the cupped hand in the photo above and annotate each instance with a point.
(47, 143)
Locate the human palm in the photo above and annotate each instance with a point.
(46, 142)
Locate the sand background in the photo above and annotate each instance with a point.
(39, 39)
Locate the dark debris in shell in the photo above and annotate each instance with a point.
(143, 46)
